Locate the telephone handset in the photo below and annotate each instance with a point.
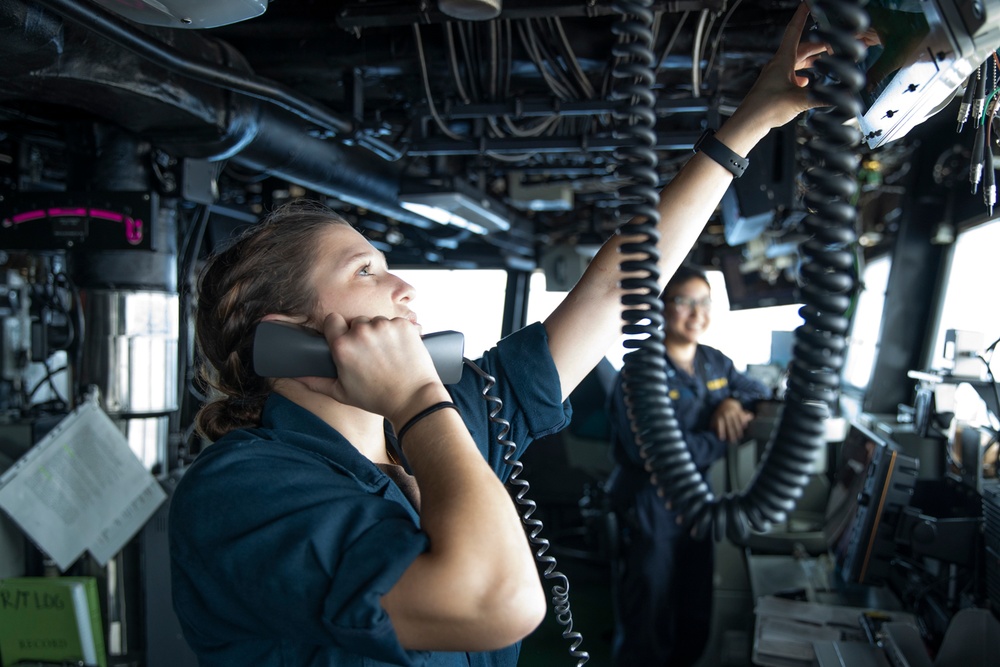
(282, 349)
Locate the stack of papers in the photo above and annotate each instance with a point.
(788, 631)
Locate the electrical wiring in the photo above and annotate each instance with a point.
(990, 92)
(531, 46)
(941, 583)
(585, 85)
(190, 249)
(470, 63)
(966, 105)
(696, 54)
(657, 25)
(980, 101)
(503, 76)
(514, 159)
(703, 47)
(494, 58)
(191, 243)
(979, 97)
(539, 128)
(449, 37)
(47, 380)
(989, 173)
(498, 84)
(670, 43)
(718, 35)
(427, 88)
(987, 358)
(545, 42)
(989, 113)
(978, 161)
(498, 88)
(508, 62)
(47, 299)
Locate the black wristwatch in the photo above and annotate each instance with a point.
(721, 153)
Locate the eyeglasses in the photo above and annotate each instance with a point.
(689, 303)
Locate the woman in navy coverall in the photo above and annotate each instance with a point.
(296, 538)
(663, 592)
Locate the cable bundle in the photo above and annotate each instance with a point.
(980, 100)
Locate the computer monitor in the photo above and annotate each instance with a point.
(920, 53)
(871, 488)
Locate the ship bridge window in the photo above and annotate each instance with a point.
(466, 300)
(970, 295)
(863, 342)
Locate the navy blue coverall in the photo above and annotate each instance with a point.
(663, 592)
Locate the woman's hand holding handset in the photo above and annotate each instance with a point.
(383, 366)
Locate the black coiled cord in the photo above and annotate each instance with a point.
(827, 290)
(526, 509)
(644, 377)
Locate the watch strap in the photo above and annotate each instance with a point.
(709, 145)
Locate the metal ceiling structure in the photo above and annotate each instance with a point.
(363, 103)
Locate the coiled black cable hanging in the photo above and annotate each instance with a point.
(526, 510)
(644, 372)
(827, 290)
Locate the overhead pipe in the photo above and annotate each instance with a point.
(529, 108)
(123, 34)
(598, 143)
(279, 147)
(187, 119)
(117, 30)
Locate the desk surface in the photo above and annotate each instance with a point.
(813, 580)
(806, 616)
(795, 633)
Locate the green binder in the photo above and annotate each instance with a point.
(51, 619)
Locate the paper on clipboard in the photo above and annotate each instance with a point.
(80, 488)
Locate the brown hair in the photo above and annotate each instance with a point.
(265, 270)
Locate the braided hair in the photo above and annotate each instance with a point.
(266, 270)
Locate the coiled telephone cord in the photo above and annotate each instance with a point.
(526, 509)
(827, 289)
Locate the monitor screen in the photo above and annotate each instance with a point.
(873, 485)
(854, 459)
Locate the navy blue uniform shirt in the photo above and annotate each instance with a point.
(694, 400)
(283, 538)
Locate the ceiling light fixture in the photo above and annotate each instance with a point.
(471, 10)
(457, 205)
(187, 13)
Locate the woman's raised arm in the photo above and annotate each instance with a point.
(588, 321)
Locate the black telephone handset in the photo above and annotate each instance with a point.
(282, 349)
